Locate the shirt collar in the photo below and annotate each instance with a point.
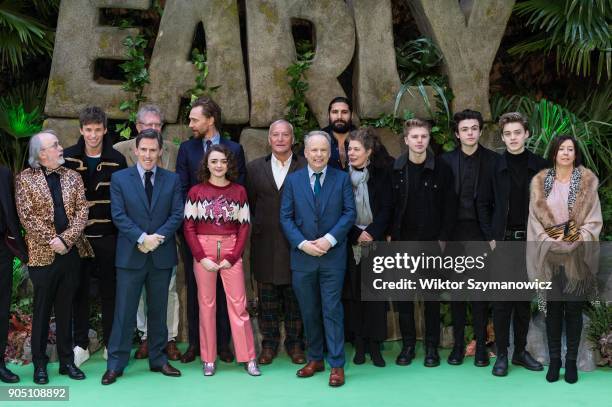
(311, 171)
(279, 163)
(214, 139)
(48, 171)
(141, 170)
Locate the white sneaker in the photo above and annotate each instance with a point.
(105, 354)
(80, 355)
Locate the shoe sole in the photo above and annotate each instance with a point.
(499, 374)
(455, 362)
(516, 363)
(482, 364)
(431, 364)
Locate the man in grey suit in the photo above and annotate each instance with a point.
(269, 247)
(147, 208)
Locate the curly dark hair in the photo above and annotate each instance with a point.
(232, 164)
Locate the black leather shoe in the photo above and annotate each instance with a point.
(527, 361)
(226, 355)
(167, 370)
(500, 368)
(406, 355)
(72, 371)
(432, 357)
(7, 376)
(110, 377)
(481, 358)
(190, 354)
(359, 358)
(377, 358)
(456, 356)
(40, 375)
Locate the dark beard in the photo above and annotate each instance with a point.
(341, 127)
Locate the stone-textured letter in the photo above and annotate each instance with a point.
(375, 78)
(271, 51)
(171, 70)
(79, 41)
(468, 35)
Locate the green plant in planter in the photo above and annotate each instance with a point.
(599, 330)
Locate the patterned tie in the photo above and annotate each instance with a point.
(149, 185)
(208, 144)
(317, 183)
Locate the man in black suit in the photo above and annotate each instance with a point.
(469, 162)
(503, 209)
(204, 122)
(11, 245)
(269, 247)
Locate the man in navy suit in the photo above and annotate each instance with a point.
(317, 212)
(147, 209)
(204, 122)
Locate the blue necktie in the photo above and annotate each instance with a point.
(317, 183)
(208, 144)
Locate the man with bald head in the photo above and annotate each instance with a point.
(269, 247)
(317, 212)
(53, 210)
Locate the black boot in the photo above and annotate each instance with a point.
(359, 358)
(406, 355)
(553, 370)
(374, 349)
(457, 354)
(481, 358)
(571, 371)
(524, 358)
(432, 357)
(6, 375)
(500, 368)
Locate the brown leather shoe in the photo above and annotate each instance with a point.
(311, 368)
(297, 355)
(336, 377)
(172, 351)
(143, 350)
(189, 355)
(266, 356)
(167, 370)
(110, 377)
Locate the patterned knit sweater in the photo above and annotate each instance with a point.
(213, 210)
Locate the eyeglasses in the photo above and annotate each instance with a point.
(154, 125)
(54, 146)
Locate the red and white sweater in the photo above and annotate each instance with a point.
(213, 210)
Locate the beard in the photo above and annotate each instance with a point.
(340, 126)
(61, 161)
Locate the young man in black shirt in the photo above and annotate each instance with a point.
(503, 208)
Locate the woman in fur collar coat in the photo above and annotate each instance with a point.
(564, 214)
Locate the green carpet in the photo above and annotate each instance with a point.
(366, 385)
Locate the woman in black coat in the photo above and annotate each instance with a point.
(370, 172)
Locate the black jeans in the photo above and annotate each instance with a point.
(6, 288)
(502, 315)
(54, 288)
(407, 325)
(101, 267)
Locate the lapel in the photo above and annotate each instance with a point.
(158, 186)
(41, 182)
(327, 188)
(306, 189)
(267, 170)
(138, 186)
(456, 171)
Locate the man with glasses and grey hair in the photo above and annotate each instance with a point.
(317, 211)
(52, 207)
(151, 117)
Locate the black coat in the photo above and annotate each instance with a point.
(12, 238)
(494, 195)
(97, 186)
(270, 254)
(440, 212)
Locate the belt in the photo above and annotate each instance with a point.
(515, 235)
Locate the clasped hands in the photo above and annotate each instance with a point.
(317, 247)
(151, 242)
(211, 266)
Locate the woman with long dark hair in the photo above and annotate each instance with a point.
(564, 215)
(216, 228)
(369, 169)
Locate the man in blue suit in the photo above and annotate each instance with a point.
(204, 122)
(317, 212)
(147, 209)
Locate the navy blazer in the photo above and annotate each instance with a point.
(190, 155)
(303, 218)
(132, 215)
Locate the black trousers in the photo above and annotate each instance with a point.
(6, 288)
(571, 313)
(408, 327)
(101, 267)
(224, 333)
(54, 289)
(275, 300)
(503, 313)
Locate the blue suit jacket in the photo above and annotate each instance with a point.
(132, 215)
(190, 156)
(304, 218)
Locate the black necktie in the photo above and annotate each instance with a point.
(208, 144)
(149, 185)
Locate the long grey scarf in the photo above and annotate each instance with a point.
(359, 180)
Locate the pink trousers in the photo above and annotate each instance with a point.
(233, 282)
